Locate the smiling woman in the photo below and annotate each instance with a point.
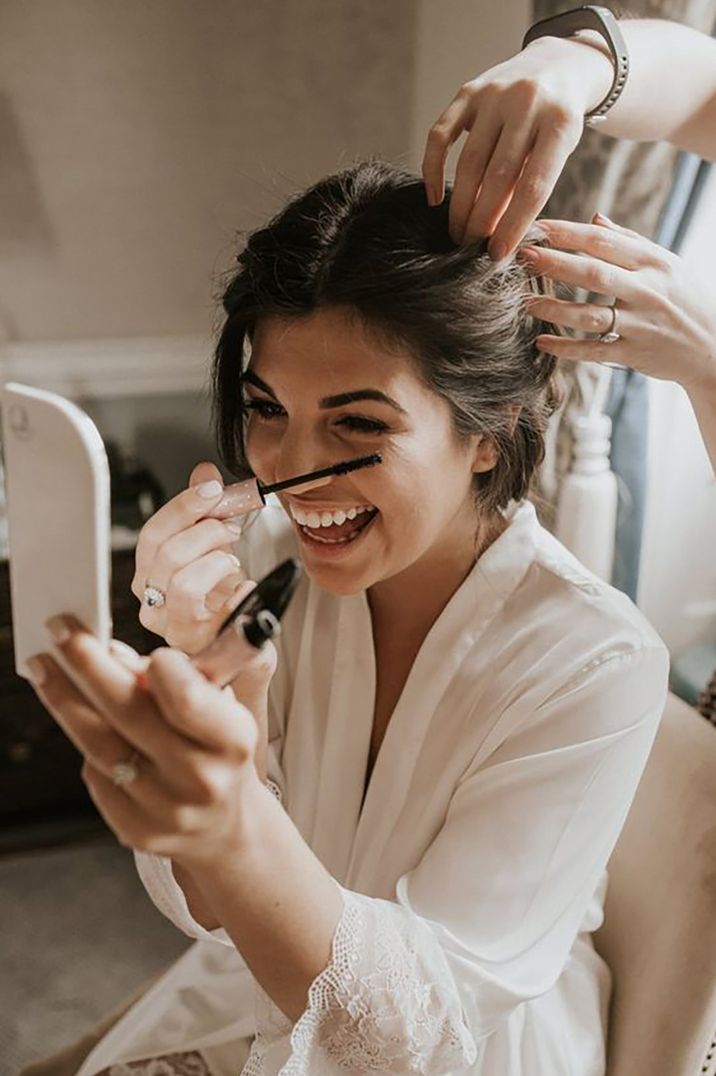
(359, 322)
(457, 714)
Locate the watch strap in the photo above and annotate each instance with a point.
(600, 19)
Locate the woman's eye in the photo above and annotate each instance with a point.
(268, 412)
(263, 408)
(363, 425)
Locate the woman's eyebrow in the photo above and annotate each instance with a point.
(330, 401)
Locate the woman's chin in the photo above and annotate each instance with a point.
(342, 584)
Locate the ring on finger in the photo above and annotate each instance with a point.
(611, 335)
(126, 771)
(153, 596)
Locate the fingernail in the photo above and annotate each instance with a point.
(235, 524)
(498, 250)
(37, 670)
(528, 256)
(599, 218)
(208, 490)
(59, 629)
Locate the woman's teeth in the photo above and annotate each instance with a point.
(327, 519)
(340, 523)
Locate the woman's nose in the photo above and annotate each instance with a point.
(301, 453)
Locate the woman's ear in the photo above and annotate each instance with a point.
(486, 455)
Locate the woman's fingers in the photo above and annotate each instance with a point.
(127, 656)
(77, 717)
(199, 709)
(177, 515)
(190, 619)
(206, 471)
(178, 553)
(618, 246)
(110, 687)
(189, 586)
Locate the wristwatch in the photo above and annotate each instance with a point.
(600, 19)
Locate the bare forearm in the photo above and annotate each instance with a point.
(670, 93)
(275, 900)
(195, 902)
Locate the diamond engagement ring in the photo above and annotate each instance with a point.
(123, 773)
(610, 336)
(153, 597)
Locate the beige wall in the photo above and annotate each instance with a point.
(138, 136)
(455, 40)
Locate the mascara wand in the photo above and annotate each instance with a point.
(247, 496)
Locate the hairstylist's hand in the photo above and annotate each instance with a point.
(666, 316)
(523, 117)
(188, 557)
(195, 743)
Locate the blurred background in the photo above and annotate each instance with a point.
(140, 139)
(138, 142)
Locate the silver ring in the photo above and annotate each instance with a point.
(124, 773)
(153, 597)
(610, 336)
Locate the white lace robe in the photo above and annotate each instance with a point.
(474, 872)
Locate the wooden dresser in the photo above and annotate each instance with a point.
(40, 782)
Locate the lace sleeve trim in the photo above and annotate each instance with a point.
(385, 1003)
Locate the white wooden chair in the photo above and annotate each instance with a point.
(659, 931)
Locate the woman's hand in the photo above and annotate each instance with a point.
(666, 316)
(188, 557)
(195, 741)
(523, 117)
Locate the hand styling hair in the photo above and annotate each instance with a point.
(366, 241)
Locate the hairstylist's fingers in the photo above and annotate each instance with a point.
(446, 130)
(501, 175)
(565, 347)
(624, 248)
(583, 272)
(604, 222)
(536, 183)
(584, 317)
(472, 162)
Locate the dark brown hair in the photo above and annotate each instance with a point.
(366, 241)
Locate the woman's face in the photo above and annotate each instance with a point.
(420, 509)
